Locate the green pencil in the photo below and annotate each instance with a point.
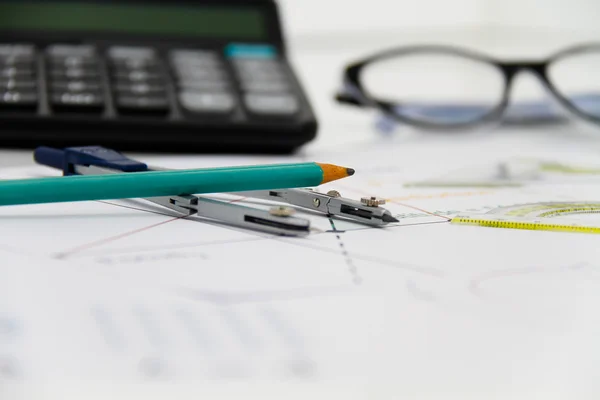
(168, 183)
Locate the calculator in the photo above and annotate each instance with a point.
(191, 76)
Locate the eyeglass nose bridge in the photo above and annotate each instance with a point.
(537, 68)
(511, 69)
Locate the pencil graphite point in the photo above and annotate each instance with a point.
(334, 172)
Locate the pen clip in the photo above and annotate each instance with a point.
(70, 157)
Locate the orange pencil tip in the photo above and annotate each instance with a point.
(334, 172)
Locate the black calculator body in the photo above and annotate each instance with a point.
(191, 76)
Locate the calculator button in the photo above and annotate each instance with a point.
(15, 62)
(85, 100)
(14, 72)
(120, 70)
(128, 103)
(200, 74)
(141, 89)
(196, 102)
(129, 53)
(188, 54)
(17, 84)
(75, 86)
(17, 50)
(259, 69)
(203, 85)
(75, 73)
(17, 77)
(18, 99)
(258, 75)
(193, 57)
(250, 51)
(134, 63)
(73, 62)
(139, 76)
(266, 86)
(62, 51)
(268, 104)
(13, 54)
(200, 63)
(251, 65)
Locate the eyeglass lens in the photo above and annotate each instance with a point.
(577, 78)
(436, 87)
(445, 88)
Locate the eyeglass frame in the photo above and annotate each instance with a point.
(355, 94)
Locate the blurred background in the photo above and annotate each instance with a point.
(314, 17)
(325, 36)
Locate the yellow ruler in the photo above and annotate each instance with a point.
(553, 216)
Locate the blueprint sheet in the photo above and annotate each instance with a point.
(127, 300)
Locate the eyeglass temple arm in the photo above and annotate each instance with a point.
(348, 99)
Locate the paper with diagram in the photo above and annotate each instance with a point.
(125, 291)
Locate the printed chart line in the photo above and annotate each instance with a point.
(166, 213)
(420, 209)
(431, 271)
(70, 252)
(419, 269)
(179, 246)
(192, 245)
(356, 279)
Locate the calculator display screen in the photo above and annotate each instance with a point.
(168, 19)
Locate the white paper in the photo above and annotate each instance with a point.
(122, 296)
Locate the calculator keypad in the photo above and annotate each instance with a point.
(271, 104)
(18, 77)
(139, 81)
(150, 95)
(73, 74)
(207, 83)
(210, 102)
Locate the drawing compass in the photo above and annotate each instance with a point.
(95, 160)
(366, 211)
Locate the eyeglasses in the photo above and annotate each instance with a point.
(446, 87)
